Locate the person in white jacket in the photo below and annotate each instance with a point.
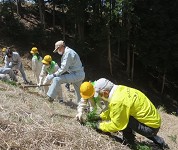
(71, 63)
(13, 60)
(87, 98)
(7, 71)
(49, 67)
(36, 63)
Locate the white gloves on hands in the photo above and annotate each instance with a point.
(49, 76)
(79, 117)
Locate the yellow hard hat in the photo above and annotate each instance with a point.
(87, 90)
(34, 50)
(4, 49)
(47, 59)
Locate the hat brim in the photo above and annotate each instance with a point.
(86, 97)
(45, 62)
(32, 52)
(55, 51)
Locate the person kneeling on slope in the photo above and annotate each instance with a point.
(129, 110)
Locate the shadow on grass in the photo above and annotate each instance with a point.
(137, 145)
(71, 104)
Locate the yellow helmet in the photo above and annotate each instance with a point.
(86, 90)
(4, 49)
(34, 50)
(47, 60)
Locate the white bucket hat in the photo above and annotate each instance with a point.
(58, 44)
(102, 84)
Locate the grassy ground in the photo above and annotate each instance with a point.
(28, 121)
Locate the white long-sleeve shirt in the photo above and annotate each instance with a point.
(45, 70)
(36, 66)
(14, 61)
(92, 104)
(70, 62)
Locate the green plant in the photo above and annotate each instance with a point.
(173, 138)
(91, 115)
(91, 119)
(11, 82)
(173, 113)
(143, 147)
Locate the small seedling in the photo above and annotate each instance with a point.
(91, 119)
(173, 138)
(143, 147)
(11, 82)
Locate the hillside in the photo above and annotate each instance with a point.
(28, 121)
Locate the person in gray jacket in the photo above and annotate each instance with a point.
(7, 71)
(71, 63)
(13, 60)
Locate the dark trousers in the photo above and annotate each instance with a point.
(149, 132)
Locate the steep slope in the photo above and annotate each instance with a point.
(29, 121)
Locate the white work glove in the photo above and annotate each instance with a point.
(45, 81)
(49, 76)
(39, 84)
(79, 117)
(40, 81)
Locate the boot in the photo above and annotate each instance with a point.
(129, 138)
(159, 141)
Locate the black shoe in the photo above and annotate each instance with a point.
(67, 86)
(164, 146)
(50, 99)
(159, 141)
(61, 101)
(26, 82)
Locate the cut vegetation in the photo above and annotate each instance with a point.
(28, 121)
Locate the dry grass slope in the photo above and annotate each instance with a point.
(28, 121)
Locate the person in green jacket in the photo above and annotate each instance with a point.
(49, 67)
(129, 110)
(36, 63)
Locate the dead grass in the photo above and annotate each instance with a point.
(28, 121)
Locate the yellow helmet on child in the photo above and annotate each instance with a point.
(87, 90)
(34, 50)
(47, 60)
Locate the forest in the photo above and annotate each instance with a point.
(130, 41)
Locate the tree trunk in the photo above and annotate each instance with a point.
(128, 59)
(42, 12)
(54, 21)
(81, 31)
(118, 48)
(163, 83)
(109, 50)
(133, 60)
(63, 22)
(128, 45)
(17, 4)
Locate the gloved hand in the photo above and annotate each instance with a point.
(45, 81)
(79, 117)
(50, 76)
(39, 84)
